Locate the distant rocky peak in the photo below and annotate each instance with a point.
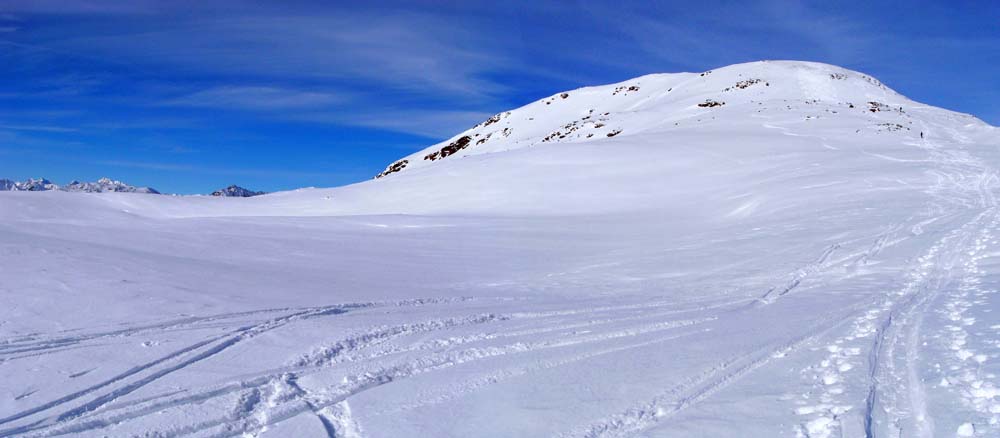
(35, 185)
(235, 191)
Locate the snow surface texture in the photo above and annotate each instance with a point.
(768, 249)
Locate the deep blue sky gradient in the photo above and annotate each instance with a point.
(188, 96)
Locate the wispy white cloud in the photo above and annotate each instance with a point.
(435, 124)
(8, 8)
(340, 67)
(255, 98)
(418, 53)
(151, 123)
(684, 37)
(37, 128)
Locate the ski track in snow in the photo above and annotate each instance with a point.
(891, 323)
(369, 359)
(697, 389)
(896, 404)
(963, 368)
(284, 399)
(124, 384)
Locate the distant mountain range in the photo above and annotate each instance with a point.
(100, 186)
(105, 185)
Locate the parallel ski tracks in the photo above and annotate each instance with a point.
(100, 410)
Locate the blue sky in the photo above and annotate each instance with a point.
(188, 96)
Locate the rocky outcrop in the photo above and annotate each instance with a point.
(393, 168)
(235, 191)
(710, 103)
(455, 146)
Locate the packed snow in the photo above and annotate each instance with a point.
(767, 249)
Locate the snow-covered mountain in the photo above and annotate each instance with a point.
(772, 249)
(29, 185)
(100, 186)
(106, 185)
(687, 141)
(679, 102)
(237, 192)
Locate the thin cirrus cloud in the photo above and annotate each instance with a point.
(255, 98)
(425, 123)
(329, 109)
(415, 53)
(11, 7)
(365, 69)
(37, 128)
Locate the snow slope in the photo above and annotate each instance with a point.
(780, 265)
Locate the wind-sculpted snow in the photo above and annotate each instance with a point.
(817, 257)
